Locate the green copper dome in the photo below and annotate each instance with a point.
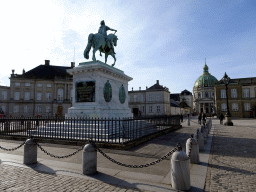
(206, 79)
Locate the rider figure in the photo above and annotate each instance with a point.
(103, 30)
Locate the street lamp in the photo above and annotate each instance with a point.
(226, 80)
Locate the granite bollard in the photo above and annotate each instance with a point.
(200, 140)
(30, 152)
(89, 160)
(188, 121)
(180, 172)
(194, 151)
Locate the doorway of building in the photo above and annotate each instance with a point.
(59, 111)
(135, 112)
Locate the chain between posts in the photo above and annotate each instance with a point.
(134, 166)
(56, 156)
(15, 148)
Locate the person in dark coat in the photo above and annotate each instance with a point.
(181, 118)
(221, 117)
(204, 118)
(199, 118)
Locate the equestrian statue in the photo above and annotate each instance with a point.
(102, 42)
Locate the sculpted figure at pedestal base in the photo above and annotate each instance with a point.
(102, 42)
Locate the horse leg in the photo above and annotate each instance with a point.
(113, 55)
(94, 51)
(106, 57)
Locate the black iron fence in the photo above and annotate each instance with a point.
(80, 129)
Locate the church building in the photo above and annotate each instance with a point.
(203, 91)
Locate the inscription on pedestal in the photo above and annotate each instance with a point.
(85, 91)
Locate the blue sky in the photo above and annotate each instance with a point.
(166, 40)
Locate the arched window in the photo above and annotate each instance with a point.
(60, 95)
(199, 95)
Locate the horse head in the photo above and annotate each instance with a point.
(113, 39)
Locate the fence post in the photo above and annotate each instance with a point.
(30, 152)
(89, 160)
(180, 172)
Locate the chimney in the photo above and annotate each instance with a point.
(157, 82)
(140, 88)
(47, 62)
(72, 64)
(13, 71)
(23, 71)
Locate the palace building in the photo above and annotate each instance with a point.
(45, 90)
(241, 97)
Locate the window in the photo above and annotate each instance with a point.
(60, 95)
(223, 107)
(38, 108)
(49, 85)
(150, 97)
(48, 96)
(17, 84)
(206, 94)
(16, 96)
(158, 109)
(143, 108)
(199, 95)
(223, 93)
(3, 108)
(157, 97)
(39, 96)
(246, 93)
(135, 98)
(4, 95)
(48, 109)
(16, 109)
(212, 94)
(39, 85)
(247, 106)
(233, 93)
(150, 109)
(27, 84)
(234, 107)
(142, 97)
(27, 96)
(26, 109)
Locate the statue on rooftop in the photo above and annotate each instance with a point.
(102, 42)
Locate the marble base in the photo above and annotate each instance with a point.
(101, 74)
(228, 121)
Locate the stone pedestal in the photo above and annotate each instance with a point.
(228, 121)
(99, 91)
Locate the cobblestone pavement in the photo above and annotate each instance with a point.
(232, 163)
(14, 178)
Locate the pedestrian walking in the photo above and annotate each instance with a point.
(221, 117)
(204, 118)
(181, 118)
(199, 118)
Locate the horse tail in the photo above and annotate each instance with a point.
(88, 47)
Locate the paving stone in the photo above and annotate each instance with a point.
(232, 159)
(14, 178)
